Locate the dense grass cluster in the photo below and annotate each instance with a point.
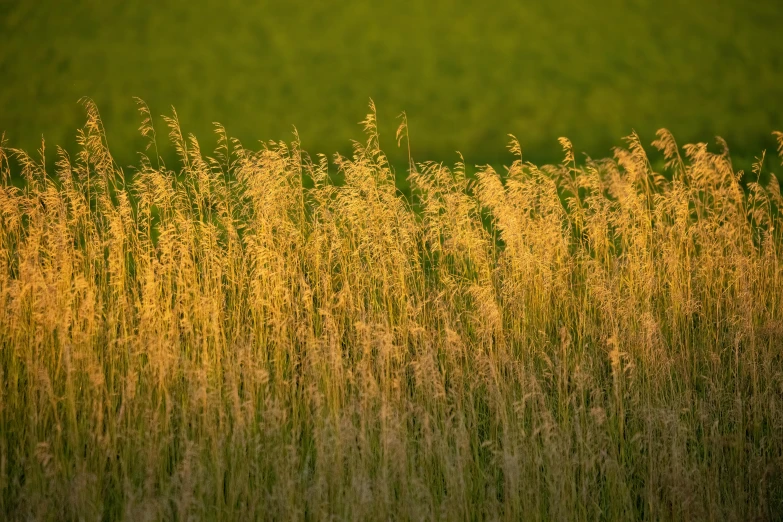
(253, 335)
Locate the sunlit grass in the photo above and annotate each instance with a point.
(217, 340)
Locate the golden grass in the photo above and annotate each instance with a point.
(557, 343)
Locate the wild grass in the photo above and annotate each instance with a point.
(240, 337)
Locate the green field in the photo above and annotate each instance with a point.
(196, 327)
(467, 73)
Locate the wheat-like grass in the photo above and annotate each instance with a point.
(219, 342)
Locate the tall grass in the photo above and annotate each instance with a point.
(241, 337)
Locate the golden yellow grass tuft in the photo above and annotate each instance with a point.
(219, 342)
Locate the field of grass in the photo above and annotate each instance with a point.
(466, 72)
(262, 334)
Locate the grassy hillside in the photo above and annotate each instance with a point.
(222, 342)
(467, 73)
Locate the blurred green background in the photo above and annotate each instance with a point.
(467, 73)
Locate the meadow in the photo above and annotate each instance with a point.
(268, 334)
(467, 73)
